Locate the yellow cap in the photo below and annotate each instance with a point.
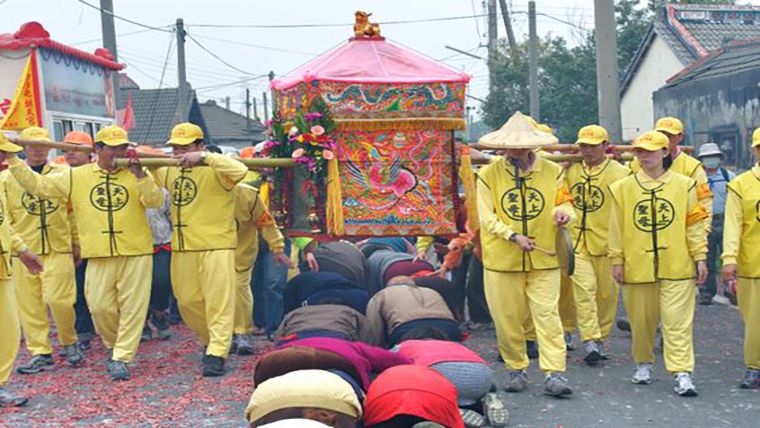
(545, 128)
(185, 133)
(652, 141)
(756, 138)
(592, 135)
(671, 125)
(112, 136)
(7, 146)
(35, 133)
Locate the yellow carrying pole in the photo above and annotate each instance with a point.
(560, 158)
(250, 163)
(78, 147)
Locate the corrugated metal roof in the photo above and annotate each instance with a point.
(734, 58)
(225, 126)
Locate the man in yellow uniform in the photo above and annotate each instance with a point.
(656, 237)
(682, 163)
(204, 241)
(109, 204)
(10, 333)
(44, 224)
(522, 199)
(741, 258)
(594, 290)
(252, 217)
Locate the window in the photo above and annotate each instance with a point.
(58, 130)
(68, 126)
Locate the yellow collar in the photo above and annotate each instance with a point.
(643, 178)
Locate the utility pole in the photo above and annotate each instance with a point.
(510, 33)
(183, 87)
(247, 110)
(109, 42)
(492, 37)
(266, 107)
(255, 109)
(535, 111)
(608, 85)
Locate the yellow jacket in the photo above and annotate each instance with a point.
(741, 230)
(686, 165)
(43, 224)
(527, 209)
(203, 203)
(251, 216)
(109, 206)
(590, 189)
(656, 227)
(10, 242)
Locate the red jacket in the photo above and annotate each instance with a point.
(412, 390)
(429, 352)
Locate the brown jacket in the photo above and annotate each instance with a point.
(337, 318)
(397, 304)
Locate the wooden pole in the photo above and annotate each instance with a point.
(573, 148)
(560, 158)
(250, 163)
(79, 147)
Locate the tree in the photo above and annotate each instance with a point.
(632, 25)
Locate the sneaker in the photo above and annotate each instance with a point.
(147, 333)
(8, 399)
(683, 386)
(623, 325)
(73, 354)
(555, 385)
(118, 370)
(592, 352)
(569, 342)
(532, 347)
(244, 346)
(479, 326)
(751, 379)
(213, 366)
(472, 419)
(643, 374)
(160, 321)
(603, 353)
(495, 411)
(517, 381)
(85, 345)
(37, 364)
(705, 299)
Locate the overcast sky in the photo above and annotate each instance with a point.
(259, 50)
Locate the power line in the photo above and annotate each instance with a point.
(216, 56)
(286, 26)
(150, 60)
(222, 85)
(125, 19)
(84, 42)
(269, 48)
(160, 84)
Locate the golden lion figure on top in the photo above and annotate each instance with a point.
(364, 28)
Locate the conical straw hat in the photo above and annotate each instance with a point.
(517, 133)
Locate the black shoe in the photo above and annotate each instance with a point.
(244, 345)
(118, 370)
(147, 333)
(213, 366)
(705, 299)
(532, 348)
(160, 321)
(74, 354)
(85, 345)
(624, 325)
(37, 364)
(9, 399)
(751, 379)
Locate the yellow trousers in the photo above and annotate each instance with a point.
(748, 295)
(204, 284)
(510, 295)
(53, 289)
(243, 303)
(117, 290)
(673, 303)
(567, 313)
(10, 333)
(596, 296)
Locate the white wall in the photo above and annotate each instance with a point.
(637, 106)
